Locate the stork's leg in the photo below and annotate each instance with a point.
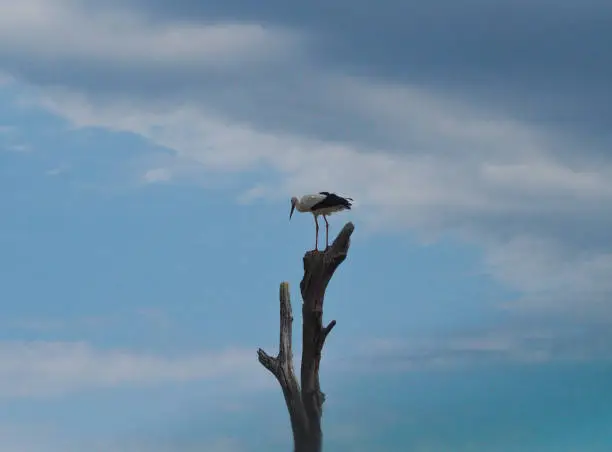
(317, 229)
(326, 232)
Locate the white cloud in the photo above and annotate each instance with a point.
(556, 277)
(46, 438)
(468, 178)
(505, 175)
(5, 79)
(509, 344)
(18, 148)
(10, 139)
(542, 177)
(58, 170)
(65, 30)
(157, 175)
(30, 438)
(222, 444)
(52, 368)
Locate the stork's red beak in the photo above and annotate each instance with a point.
(292, 209)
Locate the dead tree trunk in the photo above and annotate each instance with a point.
(305, 404)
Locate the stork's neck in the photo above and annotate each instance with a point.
(301, 207)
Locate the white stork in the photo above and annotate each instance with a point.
(322, 203)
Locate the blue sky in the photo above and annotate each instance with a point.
(148, 152)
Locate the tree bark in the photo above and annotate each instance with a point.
(305, 404)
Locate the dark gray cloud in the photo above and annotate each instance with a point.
(546, 61)
(543, 62)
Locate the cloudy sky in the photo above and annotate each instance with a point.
(148, 151)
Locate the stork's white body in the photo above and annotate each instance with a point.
(323, 203)
(307, 202)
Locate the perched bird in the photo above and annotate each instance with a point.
(322, 203)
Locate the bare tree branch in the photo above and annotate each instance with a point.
(282, 367)
(268, 362)
(325, 331)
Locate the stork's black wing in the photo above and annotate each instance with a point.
(332, 200)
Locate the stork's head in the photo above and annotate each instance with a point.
(294, 202)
